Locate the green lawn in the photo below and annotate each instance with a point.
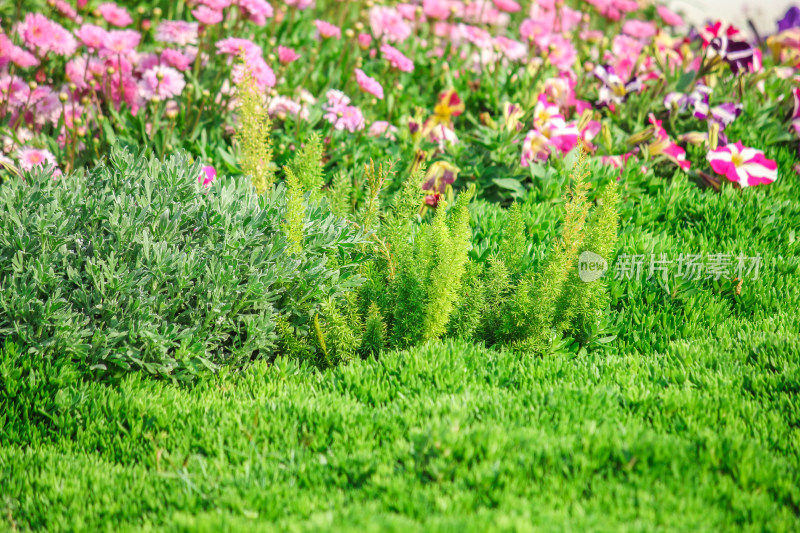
(688, 420)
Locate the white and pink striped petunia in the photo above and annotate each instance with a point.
(742, 165)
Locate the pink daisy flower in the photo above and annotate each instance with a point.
(286, 55)
(176, 59)
(91, 36)
(207, 16)
(161, 83)
(328, 30)
(369, 85)
(669, 17)
(114, 15)
(509, 6)
(178, 32)
(396, 58)
(29, 157)
(234, 46)
(639, 29)
(120, 42)
(258, 11)
(262, 73)
(389, 24)
(299, 4)
(742, 165)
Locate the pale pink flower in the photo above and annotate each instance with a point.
(364, 40)
(176, 59)
(396, 58)
(513, 50)
(281, 107)
(535, 148)
(669, 17)
(235, 46)
(11, 53)
(562, 53)
(369, 85)
(178, 32)
(387, 23)
(79, 73)
(477, 36)
(640, 29)
(29, 157)
(328, 30)
(286, 55)
(207, 16)
(258, 11)
(509, 6)
(299, 4)
(42, 34)
(217, 5)
(381, 128)
(439, 9)
(66, 9)
(742, 165)
(261, 73)
(91, 36)
(161, 83)
(114, 14)
(120, 42)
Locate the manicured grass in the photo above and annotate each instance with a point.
(689, 420)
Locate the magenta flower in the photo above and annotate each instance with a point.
(207, 176)
(396, 58)
(745, 166)
(287, 55)
(663, 145)
(328, 30)
(369, 85)
(114, 14)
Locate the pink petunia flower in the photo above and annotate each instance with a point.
(396, 58)
(161, 83)
(663, 145)
(114, 14)
(742, 165)
(29, 157)
(207, 16)
(328, 30)
(286, 55)
(369, 85)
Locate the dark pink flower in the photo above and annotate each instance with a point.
(369, 85)
(742, 165)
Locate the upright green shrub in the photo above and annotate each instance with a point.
(136, 266)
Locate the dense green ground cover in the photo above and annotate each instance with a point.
(688, 420)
